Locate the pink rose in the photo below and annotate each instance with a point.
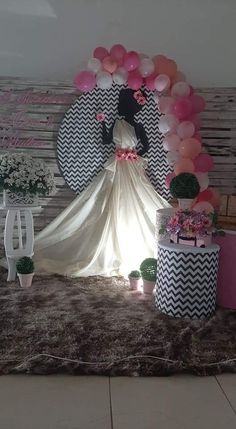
(100, 117)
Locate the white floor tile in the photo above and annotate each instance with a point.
(54, 402)
(228, 384)
(177, 402)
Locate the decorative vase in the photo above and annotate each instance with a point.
(134, 282)
(19, 199)
(148, 286)
(25, 280)
(185, 203)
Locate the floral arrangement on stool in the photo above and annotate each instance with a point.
(134, 279)
(25, 271)
(23, 179)
(148, 269)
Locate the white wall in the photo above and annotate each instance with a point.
(53, 39)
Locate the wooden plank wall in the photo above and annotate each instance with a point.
(31, 113)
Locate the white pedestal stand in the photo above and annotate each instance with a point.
(14, 217)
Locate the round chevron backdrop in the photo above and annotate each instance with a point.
(186, 281)
(81, 154)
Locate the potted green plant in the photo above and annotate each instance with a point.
(148, 269)
(134, 279)
(25, 271)
(185, 188)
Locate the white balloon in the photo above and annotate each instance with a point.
(120, 76)
(94, 65)
(180, 89)
(168, 123)
(146, 67)
(173, 157)
(104, 80)
(156, 97)
(203, 180)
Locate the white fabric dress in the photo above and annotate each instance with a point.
(110, 227)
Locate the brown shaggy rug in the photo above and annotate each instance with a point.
(97, 326)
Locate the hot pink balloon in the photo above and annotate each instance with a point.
(198, 103)
(165, 104)
(117, 53)
(168, 179)
(195, 119)
(100, 53)
(203, 163)
(85, 81)
(135, 80)
(185, 129)
(215, 197)
(162, 82)
(131, 61)
(150, 82)
(203, 206)
(182, 108)
(171, 142)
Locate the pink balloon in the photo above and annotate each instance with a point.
(117, 53)
(189, 148)
(180, 77)
(168, 123)
(100, 53)
(203, 163)
(171, 142)
(162, 82)
(85, 81)
(182, 108)
(180, 89)
(150, 82)
(198, 103)
(135, 80)
(185, 129)
(109, 64)
(168, 179)
(203, 206)
(198, 137)
(195, 119)
(131, 61)
(203, 181)
(185, 165)
(165, 104)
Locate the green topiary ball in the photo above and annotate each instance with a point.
(148, 269)
(25, 265)
(185, 185)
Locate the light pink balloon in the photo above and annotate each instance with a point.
(131, 61)
(85, 81)
(168, 179)
(100, 53)
(203, 163)
(203, 181)
(182, 108)
(162, 82)
(180, 77)
(117, 53)
(198, 103)
(165, 104)
(203, 206)
(150, 82)
(173, 157)
(185, 129)
(135, 80)
(171, 142)
(168, 123)
(180, 89)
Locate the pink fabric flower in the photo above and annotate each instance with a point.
(100, 117)
(126, 155)
(139, 97)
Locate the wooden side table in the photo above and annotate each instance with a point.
(186, 280)
(14, 217)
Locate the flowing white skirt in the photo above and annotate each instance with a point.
(107, 230)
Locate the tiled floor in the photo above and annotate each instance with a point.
(67, 402)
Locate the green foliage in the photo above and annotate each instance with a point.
(148, 269)
(25, 265)
(135, 274)
(185, 185)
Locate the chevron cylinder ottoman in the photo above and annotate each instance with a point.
(186, 280)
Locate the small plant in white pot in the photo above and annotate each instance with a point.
(25, 271)
(134, 279)
(185, 188)
(148, 269)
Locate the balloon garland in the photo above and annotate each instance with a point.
(177, 101)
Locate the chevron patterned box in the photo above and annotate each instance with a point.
(186, 280)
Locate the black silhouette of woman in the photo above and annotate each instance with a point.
(128, 107)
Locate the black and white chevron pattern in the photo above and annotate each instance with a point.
(80, 152)
(186, 282)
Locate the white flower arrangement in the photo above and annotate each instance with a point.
(22, 173)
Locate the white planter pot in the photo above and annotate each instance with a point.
(185, 203)
(25, 280)
(148, 287)
(19, 199)
(134, 283)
